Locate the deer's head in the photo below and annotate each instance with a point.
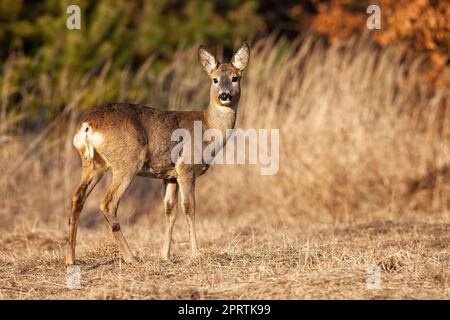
(225, 77)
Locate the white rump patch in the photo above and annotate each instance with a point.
(96, 139)
(88, 139)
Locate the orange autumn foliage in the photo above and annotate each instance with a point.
(423, 24)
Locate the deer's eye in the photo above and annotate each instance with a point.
(234, 79)
(215, 80)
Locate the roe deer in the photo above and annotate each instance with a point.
(132, 140)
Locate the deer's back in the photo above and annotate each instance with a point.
(126, 134)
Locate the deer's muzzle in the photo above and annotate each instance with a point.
(225, 97)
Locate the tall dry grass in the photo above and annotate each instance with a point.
(358, 130)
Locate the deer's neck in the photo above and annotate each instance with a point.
(220, 117)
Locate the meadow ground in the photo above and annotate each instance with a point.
(250, 257)
(363, 181)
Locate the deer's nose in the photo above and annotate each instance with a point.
(225, 96)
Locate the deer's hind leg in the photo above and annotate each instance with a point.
(121, 180)
(90, 176)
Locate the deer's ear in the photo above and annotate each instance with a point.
(207, 60)
(241, 57)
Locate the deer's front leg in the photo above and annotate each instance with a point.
(170, 203)
(187, 192)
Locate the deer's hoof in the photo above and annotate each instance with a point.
(196, 255)
(164, 257)
(130, 260)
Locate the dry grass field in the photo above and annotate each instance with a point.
(363, 181)
(241, 259)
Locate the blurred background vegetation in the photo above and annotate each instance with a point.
(43, 62)
(363, 115)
